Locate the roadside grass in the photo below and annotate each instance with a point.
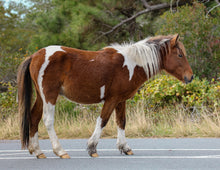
(78, 121)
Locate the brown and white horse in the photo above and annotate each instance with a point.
(112, 75)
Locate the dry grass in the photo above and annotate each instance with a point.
(9, 128)
(172, 121)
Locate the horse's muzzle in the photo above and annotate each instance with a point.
(188, 80)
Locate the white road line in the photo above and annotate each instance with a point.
(109, 150)
(11, 153)
(123, 157)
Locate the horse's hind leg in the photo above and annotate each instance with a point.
(48, 118)
(121, 121)
(36, 114)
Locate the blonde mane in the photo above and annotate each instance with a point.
(141, 54)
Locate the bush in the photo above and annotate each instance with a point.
(168, 90)
(8, 103)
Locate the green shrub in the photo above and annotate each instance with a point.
(8, 102)
(168, 90)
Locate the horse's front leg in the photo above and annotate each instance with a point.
(100, 124)
(121, 121)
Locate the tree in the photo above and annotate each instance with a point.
(14, 37)
(149, 9)
(13, 34)
(92, 24)
(65, 22)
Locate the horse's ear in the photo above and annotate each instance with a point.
(174, 40)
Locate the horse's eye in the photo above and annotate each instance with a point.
(180, 55)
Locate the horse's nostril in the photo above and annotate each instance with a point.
(188, 80)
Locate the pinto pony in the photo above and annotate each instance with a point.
(111, 75)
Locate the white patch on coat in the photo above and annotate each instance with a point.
(34, 145)
(97, 132)
(91, 60)
(121, 140)
(48, 118)
(102, 92)
(49, 51)
(140, 54)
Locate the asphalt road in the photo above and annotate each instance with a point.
(161, 154)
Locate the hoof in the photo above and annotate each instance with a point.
(94, 155)
(92, 150)
(65, 156)
(129, 152)
(41, 156)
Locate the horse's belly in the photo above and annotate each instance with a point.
(87, 96)
(86, 99)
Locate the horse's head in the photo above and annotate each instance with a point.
(175, 62)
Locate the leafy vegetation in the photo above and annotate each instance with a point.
(8, 103)
(167, 90)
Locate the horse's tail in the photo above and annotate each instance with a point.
(24, 100)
